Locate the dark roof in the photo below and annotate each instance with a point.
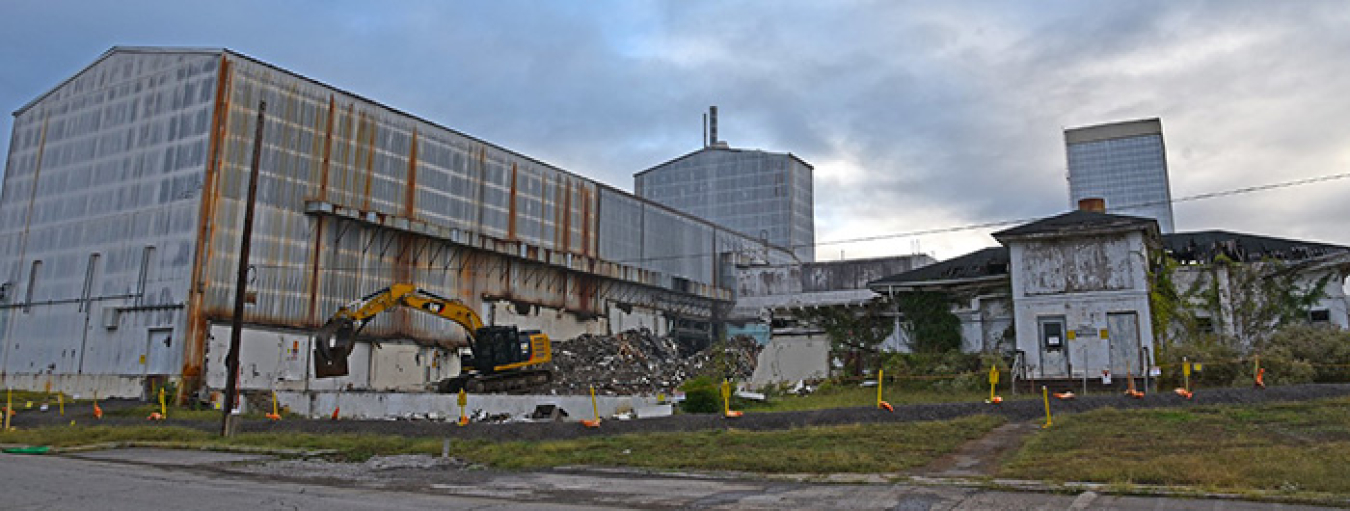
(724, 149)
(1204, 246)
(980, 265)
(1078, 222)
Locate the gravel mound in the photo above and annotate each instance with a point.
(639, 362)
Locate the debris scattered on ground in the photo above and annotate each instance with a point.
(639, 362)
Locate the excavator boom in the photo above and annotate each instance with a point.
(503, 358)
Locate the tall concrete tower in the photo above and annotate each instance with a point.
(1124, 163)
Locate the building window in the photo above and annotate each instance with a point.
(88, 291)
(1204, 325)
(32, 286)
(1052, 333)
(144, 278)
(1319, 316)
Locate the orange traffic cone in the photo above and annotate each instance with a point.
(155, 416)
(590, 423)
(336, 409)
(98, 412)
(273, 416)
(1066, 395)
(1183, 393)
(885, 406)
(1261, 378)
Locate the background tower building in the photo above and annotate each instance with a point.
(758, 193)
(1124, 163)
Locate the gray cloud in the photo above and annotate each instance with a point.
(916, 115)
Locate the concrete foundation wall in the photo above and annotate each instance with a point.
(378, 405)
(792, 357)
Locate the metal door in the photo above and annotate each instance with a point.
(1123, 335)
(1053, 344)
(162, 354)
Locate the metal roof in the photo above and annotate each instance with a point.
(982, 265)
(1078, 222)
(726, 149)
(1204, 246)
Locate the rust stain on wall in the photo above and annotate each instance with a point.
(194, 347)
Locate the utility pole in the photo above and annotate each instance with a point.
(227, 425)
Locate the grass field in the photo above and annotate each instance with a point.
(1294, 447)
(844, 396)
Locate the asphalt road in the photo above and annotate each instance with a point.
(139, 479)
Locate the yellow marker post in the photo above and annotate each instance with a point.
(726, 401)
(163, 409)
(993, 383)
(276, 414)
(595, 409)
(1045, 394)
(1186, 372)
(9, 406)
(726, 397)
(61, 403)
(463, 400)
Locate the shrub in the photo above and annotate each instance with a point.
(1220, 359)
(1324, 351)
(701, 395)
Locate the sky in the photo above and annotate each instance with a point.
(917, 116)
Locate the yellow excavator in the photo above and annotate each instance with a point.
(499, 359)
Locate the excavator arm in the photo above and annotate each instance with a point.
(501, 356)
(336, 338)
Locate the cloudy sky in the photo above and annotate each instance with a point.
(917, 116)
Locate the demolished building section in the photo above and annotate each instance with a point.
(639, 362)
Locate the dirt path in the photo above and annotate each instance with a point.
(982, 456)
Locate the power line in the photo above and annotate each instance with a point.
(937, 230)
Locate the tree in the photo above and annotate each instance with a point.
(929, 323)
(855, 333)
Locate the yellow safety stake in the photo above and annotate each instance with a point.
(726, 401)
(1045, 394)
(163, 409)
(1186, 372)
(9, 406)
(61, 403)
(881, 377)
(993, 382)
(275, 415)
(463, 401)
(595, 409)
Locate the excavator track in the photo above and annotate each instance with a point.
(514, 382)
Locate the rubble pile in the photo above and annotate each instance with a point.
(639, 362)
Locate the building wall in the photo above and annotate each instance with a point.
(1124, 163)
(123, 206)
(101, 198)
(1066, 277)
(763, 195)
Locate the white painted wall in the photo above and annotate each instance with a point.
(792, 357)
(1081, 278)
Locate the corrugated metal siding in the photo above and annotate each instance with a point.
(110, 166)
(483, 222)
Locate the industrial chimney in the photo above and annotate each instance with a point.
(712, 126)
(1093, 204)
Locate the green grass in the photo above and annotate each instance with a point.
(865, 448)
(857, 448)
(844, 396)
(1302, 447)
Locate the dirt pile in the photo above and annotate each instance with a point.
(639, 362)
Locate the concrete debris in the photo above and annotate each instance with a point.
(639, 362)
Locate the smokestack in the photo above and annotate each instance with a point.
(712, 125)
(705, 130)
(1093, 204)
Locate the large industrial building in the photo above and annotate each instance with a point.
(1124, 163)
(123, 205)
(763, 194)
